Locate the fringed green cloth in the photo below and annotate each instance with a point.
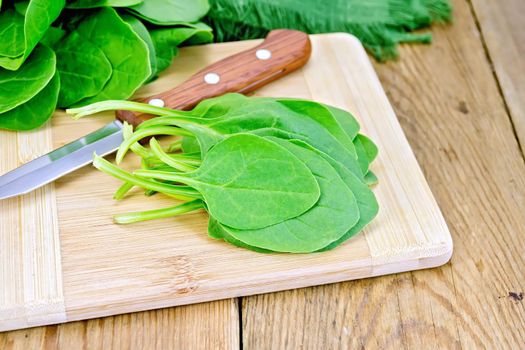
(380, 24)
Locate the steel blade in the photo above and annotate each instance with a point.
(61, 161)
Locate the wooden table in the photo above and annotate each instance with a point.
(461, 102)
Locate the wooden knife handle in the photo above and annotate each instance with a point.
(282, 52)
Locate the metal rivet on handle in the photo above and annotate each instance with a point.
(157, 102)
(263, 54)
(212, 78)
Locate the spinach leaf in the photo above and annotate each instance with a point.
(366, 200)
(244, 169)
(20, 34)
(329, 219)
(53, 36)
(171, 12)
(346, 120)
(88, 4)
(18, 87)
(126, 52)
(83, 67)
(362, 158)
(321, 115)
(34, 112)
(370, 178)
(369, 146)
(143, 33)
(166, 40)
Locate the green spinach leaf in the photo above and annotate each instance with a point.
(20, 34)
(89, 4)
(171, 12)
(166, 40)
(329, 219)
(18, 87)
(243, 169)
(83, 67)
(127, 53)
(35, 112)
(143, 33)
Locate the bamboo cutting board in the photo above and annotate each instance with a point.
(63, 259)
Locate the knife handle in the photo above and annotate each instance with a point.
(282, 52)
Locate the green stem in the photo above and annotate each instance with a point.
(136, 147)
(112, 105)
(142, 133)
(122, 190)
(164, 175)
(160, 213)
(163, 156)
(182, 192)
(175, 146)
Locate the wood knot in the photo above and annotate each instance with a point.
(181, 279)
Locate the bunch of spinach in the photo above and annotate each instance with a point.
(274, 174)
(57, 53)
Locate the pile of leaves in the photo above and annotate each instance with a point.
(274, 174)
(55, 53)
(380, 24)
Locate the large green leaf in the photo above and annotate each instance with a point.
(251, 175)
(329, 219)
(18, 87)
(83, 67)
(35, 112)
(20, 34)
(171, 12)
(143, 33)
(127, 53)
(166, 40)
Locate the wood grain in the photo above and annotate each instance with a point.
(450, 108)
(203, 326)
(502, 28)
(31, 270)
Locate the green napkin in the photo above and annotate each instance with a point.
(379, 24)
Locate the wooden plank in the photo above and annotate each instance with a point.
(203, 326)
(449, 106)
(501, 23)
(30, 260)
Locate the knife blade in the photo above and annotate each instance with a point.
(282, 52)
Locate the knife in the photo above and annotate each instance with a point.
(281, 52)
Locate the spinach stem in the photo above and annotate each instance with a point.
(140, 134)
(122, 190)
(160, 213)
(164, 175)
(112, 105)
(175, 146)
(178, 192)
(164, 157)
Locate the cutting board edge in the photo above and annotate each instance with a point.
(399, 266)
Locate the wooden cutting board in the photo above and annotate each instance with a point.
(62, 258)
